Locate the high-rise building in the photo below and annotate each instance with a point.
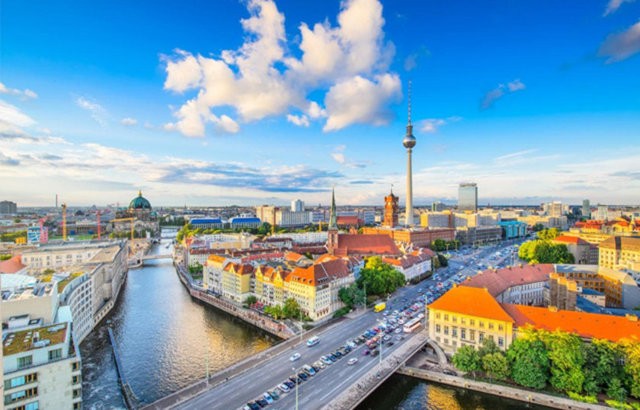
(8, 207)
(390, 210)
(437, 206)
(409, 142)
(468, 197)
(297, 205)
(555, 209)
(586, 209)
(603, 213)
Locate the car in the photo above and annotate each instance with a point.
(274, 394)
(375, 353)
(337, 354)
(289, 384)
(366, 352)
(295, 379)
(389, 344)
(450, 372)
(253, 405)
(294, 357)
(309, 370)
(267, 397)
(352, 361)
(327, 361)
(319, 364)
(333, 357)
(283, 387)
(303, 376)
(262, 402)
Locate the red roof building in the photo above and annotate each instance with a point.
(13, 265)
(365, 245)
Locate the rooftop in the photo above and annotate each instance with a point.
(471, 301)
(12, 265)
(624, 243)
(587, 325)
(499, 280)
(23, 341)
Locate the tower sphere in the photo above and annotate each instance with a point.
(409, 141)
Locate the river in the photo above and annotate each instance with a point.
(167, 340)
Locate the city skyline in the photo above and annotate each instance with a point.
(264, 102)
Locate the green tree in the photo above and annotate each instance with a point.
(566, 357)
(5, 257)
(616, 390)
(549, 234)
(380, 278)
(489, 346)
(631, 365)
(603, 363)
(467, 360)
(496, 366)
(442, 260)
(538, 227)
(439, 245)
(196, 268)
(291, 309)
(528, 361)
(275, 312)
(250, 300)
(352, 295)
(543, 251)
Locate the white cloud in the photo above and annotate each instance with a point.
(128, 121)
(618, 47)
(500, 91)
(613, 5)
(98, 113)
(338, 157)
(260, 79)
(25, 94)
(345, 104)
(299, 120)
(431, 125)
(10, 114)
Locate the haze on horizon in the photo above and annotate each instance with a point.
(265, 101)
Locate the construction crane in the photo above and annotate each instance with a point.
(132, 220)
(98, 222)
(64, 222)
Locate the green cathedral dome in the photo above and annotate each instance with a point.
(139, 202)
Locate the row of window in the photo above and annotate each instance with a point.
(20, 395)
(20, 380)
(472, 322)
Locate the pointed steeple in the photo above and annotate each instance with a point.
(333, 219)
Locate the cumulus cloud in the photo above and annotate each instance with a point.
(411, 61)
(620, 46)
(261, 78)
(500, 91)
(339, 157)
(11, 115)
(25, 94)
(128, 121)
(98, 113)
(614, 5)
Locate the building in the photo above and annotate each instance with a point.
(285, 217)
(555, 209)
(243, 222)
(603, 213)
(513, 229)
(523, 284)
(417, 238)
(297, 205)
(13, 265)
(236, 281)
(212, 272)
(207, 223)
(390, 211)
(415, 265)
(586, 209)
(620, 252)
(140, 208)
(468, 197)
(466, 316)
(8, 208)
(437, 206)
(42, 368)
(409, 142)
(583, 252)
(479, 235)
(267, 213)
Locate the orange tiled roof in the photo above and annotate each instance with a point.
(570, 239)
(587, 325)
(471, 301)
(12, 265)
(347, 220)
(320, 273)
(293, 256)
(216, 259)
(239, 269)
(503, 279)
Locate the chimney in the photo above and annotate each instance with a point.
(631, 318)
(553, 309)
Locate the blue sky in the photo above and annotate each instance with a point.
(249, 102)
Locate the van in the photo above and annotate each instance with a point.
(313, 341)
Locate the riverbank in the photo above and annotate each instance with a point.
(526, 396)
(253, 318)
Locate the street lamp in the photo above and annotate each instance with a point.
(295, 375)
(381, 342)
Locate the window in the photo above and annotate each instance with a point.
(20, 380)
(500, 327)
(472, 334)
(77, 406)
(20, 395)
(446, 330)
(437, 328)
(77, 393)
(454, 319)
(446, 317)
(463, 321)
(472, 322)
(481, 324)
(500, 342)
(55, 354)
(490, 326)
(454, 332)
(481, 337)
(463, 334)
(76, 379)
(25, 361)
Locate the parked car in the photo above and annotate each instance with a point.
(262, 402)
(253, 405)
(267, 397)
(352, 361)
(283, 387)
(274, 394)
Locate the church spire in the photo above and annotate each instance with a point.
(333, 220)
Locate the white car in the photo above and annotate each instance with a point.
(294, 357)
(283, 387)
(267, 397)
(352, 361)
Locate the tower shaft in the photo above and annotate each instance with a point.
(409, 210)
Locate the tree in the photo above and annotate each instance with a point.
(543, 251)
(602, 364)
(380, 278)
(5, 257)
(616, 390)
(489, 346)
(275, 312)
(548, 234)
(196, 268)
(467, 360)
(351, 295)
(442, 260)
(566, 357)
(250, 300)
(291, 308)
(496, 366)
(538, 227)
(528, 360)
(631, 365)
(439, 245)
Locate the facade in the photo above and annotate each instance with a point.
(513, 229)
(297, 205)
(390, 211)
(586, 209)
(212, 272)
(479, 235)
(522, 284)
(285, 217)
(555, 209)
(236, 281)
(468, 197)
(414, 265)
(583, 252)
(207, 223)
(418, 238)
(602, 213)
(42, 369)
(620, 252)
(267, 213)
(8, 208)
(240, 222)
(466, 316)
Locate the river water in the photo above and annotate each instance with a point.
(167, 341)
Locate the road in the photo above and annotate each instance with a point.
(329, 382)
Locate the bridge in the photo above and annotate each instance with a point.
(338, 386)
(156, 256)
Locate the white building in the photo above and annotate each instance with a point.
(297, 205)
(42, 368)
(285, 217)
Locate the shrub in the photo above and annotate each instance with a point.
(585, 398)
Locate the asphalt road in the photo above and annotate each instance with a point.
(329, 382)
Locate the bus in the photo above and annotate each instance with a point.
(313, 341)
(412, 325)
(379, 307)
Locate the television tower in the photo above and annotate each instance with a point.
(409, 142)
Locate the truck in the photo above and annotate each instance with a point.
(379, 307)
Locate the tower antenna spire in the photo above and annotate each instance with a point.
(409, 103)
